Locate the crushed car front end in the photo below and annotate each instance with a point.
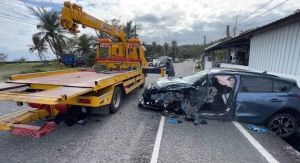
(176, 95)
(165, 93)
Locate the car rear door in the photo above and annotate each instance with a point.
(258, 98)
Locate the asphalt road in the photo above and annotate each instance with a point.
(130, 135)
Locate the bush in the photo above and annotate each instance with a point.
(31, 71)
(98, 68)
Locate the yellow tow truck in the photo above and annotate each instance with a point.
(55, 92)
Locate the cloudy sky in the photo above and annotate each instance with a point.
(186, 21)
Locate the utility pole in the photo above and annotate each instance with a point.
(227, 31)
(234, 29)
(204, 40)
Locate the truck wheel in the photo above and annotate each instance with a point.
(116, 100)
(283, 124)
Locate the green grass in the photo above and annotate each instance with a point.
(7, 70)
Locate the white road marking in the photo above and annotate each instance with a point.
(255, 143)
(155, 152)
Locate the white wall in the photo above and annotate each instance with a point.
(277, 51)
(207, 64)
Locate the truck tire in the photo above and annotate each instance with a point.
(116, 100)
(283, 124)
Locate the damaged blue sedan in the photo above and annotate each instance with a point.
(231, 94)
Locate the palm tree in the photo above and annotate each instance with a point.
(85, 48)
(85, 44)
(50, 30)
(38, 46)
(130, 30)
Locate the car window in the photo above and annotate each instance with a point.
(255, 84)
(281, 86)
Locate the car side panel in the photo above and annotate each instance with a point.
(257, 107)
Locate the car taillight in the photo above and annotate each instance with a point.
(84, 101)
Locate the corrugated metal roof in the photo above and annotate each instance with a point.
(247, 35)
(278, 23)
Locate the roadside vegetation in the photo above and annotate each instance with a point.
(174, 50)
(7, 70)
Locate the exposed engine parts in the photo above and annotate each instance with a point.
(182, 97)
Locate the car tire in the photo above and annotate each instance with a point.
(283, 124)
(116, 100)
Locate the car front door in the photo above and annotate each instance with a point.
(256, 99)
(220, 94)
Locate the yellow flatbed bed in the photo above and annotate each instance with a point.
(71, 79)
(49, 93)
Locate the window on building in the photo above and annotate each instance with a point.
(255, 84)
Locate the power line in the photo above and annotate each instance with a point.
(6, 8)
(14, 7)
(108, 10)
(266, 11)
(17, 17)
(261, 7)
(255, 23)
(15, 12)
(18, 20)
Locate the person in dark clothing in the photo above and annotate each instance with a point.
(170, 68)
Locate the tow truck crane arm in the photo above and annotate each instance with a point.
(72, 15)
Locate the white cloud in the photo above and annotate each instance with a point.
(186, 21)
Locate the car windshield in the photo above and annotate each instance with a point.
(195, 77)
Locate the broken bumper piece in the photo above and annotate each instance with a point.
(146, 104)
(33, 131)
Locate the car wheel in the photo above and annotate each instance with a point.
(283, 125)
(116, 100)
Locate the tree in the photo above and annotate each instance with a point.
(173, 49)
(50, 30)
(85, 48)
(116, 23)
(39, 46)
(159, 50)
(131, 30)
(3, 57)
(154, 48)
(166, 48)
(21, 59)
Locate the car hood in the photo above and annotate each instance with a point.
(171, 83)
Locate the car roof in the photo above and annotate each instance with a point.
(235, 71)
